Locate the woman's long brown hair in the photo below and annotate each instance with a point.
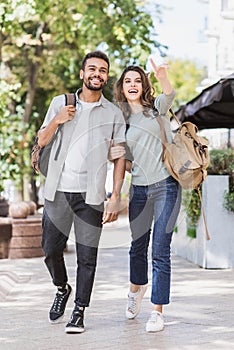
(147, 98)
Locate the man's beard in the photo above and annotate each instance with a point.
(93, 88)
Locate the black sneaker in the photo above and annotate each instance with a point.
(76, 323)
(59, 304)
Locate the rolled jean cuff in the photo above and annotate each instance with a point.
(139, 283)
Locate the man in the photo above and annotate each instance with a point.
(75, 184)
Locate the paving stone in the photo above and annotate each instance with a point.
(200, 315)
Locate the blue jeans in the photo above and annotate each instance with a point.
(58, 217)
(161, 202)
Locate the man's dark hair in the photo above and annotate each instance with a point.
(96, 54)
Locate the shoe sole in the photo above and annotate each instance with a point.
(131, 316)
(57, 321)
(60, 319)
(154, 330)
(75, 330)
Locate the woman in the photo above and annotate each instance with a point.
(154, 194)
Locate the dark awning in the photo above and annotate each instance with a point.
(213, 107)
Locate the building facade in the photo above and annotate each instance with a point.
(220, 33)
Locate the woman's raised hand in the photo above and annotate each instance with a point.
(160, 72)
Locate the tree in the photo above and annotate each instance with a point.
(42, 43)
(14, 141)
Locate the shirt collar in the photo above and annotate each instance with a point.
(101, 102)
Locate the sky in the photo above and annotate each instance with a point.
(181, 29)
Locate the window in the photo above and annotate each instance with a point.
(227, 5)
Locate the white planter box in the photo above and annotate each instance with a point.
(218, 252)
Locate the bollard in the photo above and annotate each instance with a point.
(26, 238)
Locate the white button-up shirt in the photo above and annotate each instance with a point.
(106, 122)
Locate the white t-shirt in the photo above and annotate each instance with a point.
(74, 174)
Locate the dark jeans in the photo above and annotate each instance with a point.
(58, 217)
(160, 201)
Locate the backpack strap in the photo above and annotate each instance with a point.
(174, 116)
(163, 136)
(163, 132)
(70, 99)
(203, 214)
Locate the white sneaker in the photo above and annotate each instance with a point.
(134, 302)
(155, 322)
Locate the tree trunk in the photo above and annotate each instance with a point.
(33, 69)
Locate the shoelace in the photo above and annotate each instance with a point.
(76, 316)
(57, 302)
(154, 316)
(132, 303)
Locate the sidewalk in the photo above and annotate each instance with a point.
(200, 316)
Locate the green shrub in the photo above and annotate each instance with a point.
(191, 231)
(192, 204)
(221, 162)
(228, 202)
